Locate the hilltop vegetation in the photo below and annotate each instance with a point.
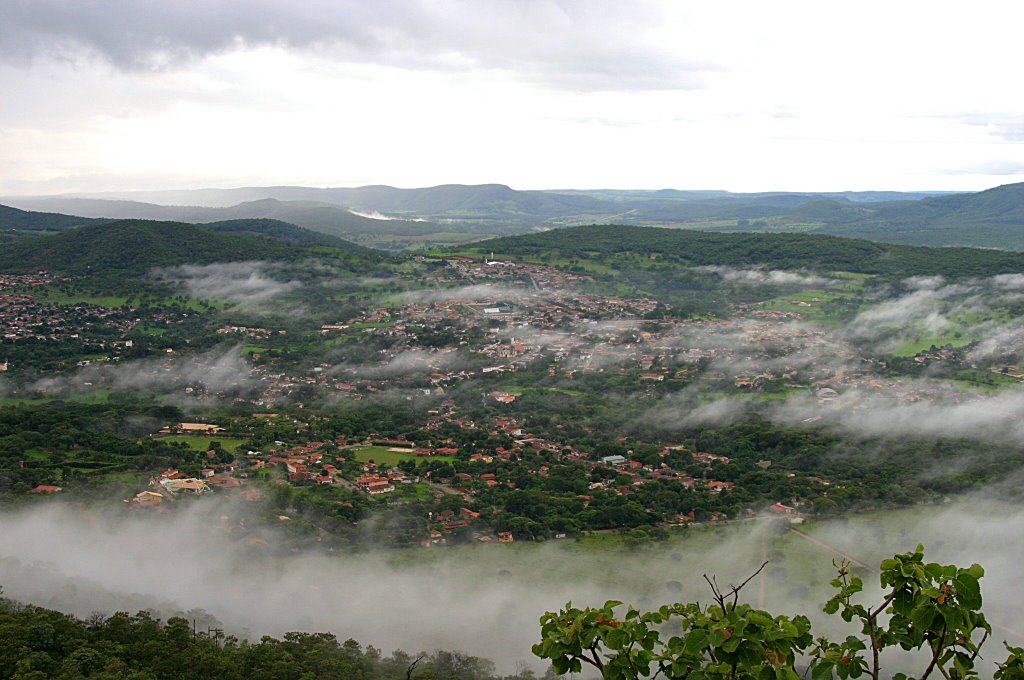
(991, 219)
(284, 231)
(606, 243)
(134, 247)
(23, 220)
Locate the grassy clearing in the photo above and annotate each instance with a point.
(202, 443)
(415, 491)
(518, 390)
(59, 297)
(808, 303)
(924, 343)
(376, 324)
(41, 456)
(190, 304)
(382, 456)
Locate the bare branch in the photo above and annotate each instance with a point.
(977, 650)
(715, 592)
(881, 607)
(734, 591)
(936, 652)
(412, 666)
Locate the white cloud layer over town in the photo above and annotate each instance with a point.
(736, 95)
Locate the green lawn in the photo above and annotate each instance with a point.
(36, 455)
(59, 297)
(923, 344)
(417, 491)
(200, 443)
(812, 302)
(518, 391)
(381, 455)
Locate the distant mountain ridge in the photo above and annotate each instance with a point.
(322, 217)
(993, 218)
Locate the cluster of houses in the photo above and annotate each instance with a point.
(545, 316)
(24, 317)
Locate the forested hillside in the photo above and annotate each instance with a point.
(25, 220)
(780, 251)
(133, 247)
(38, 643)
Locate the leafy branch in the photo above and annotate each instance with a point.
(924, 606)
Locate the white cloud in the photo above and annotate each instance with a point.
(761, 277)
(242, 283)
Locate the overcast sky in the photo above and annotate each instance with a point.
(100, 95)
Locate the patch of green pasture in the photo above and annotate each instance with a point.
(381, 455)
(923, 343)
(201, 443)
(808, 303)
(40, 456)
(59, 297)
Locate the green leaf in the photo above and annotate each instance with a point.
(615, 639)
(968, 591)
(696, 641)
(922, 617)
(822, 670)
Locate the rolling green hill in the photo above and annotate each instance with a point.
(990, 219)
(779, 251)
(133, 247)
(283, 231)
(25, 220)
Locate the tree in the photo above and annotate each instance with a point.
(930, 607)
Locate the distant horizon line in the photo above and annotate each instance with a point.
(113, 192)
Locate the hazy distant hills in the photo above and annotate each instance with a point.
(389, 217)
(992, 219)
(321, 217)
(483, 203)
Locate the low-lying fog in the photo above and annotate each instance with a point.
(483, 600)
